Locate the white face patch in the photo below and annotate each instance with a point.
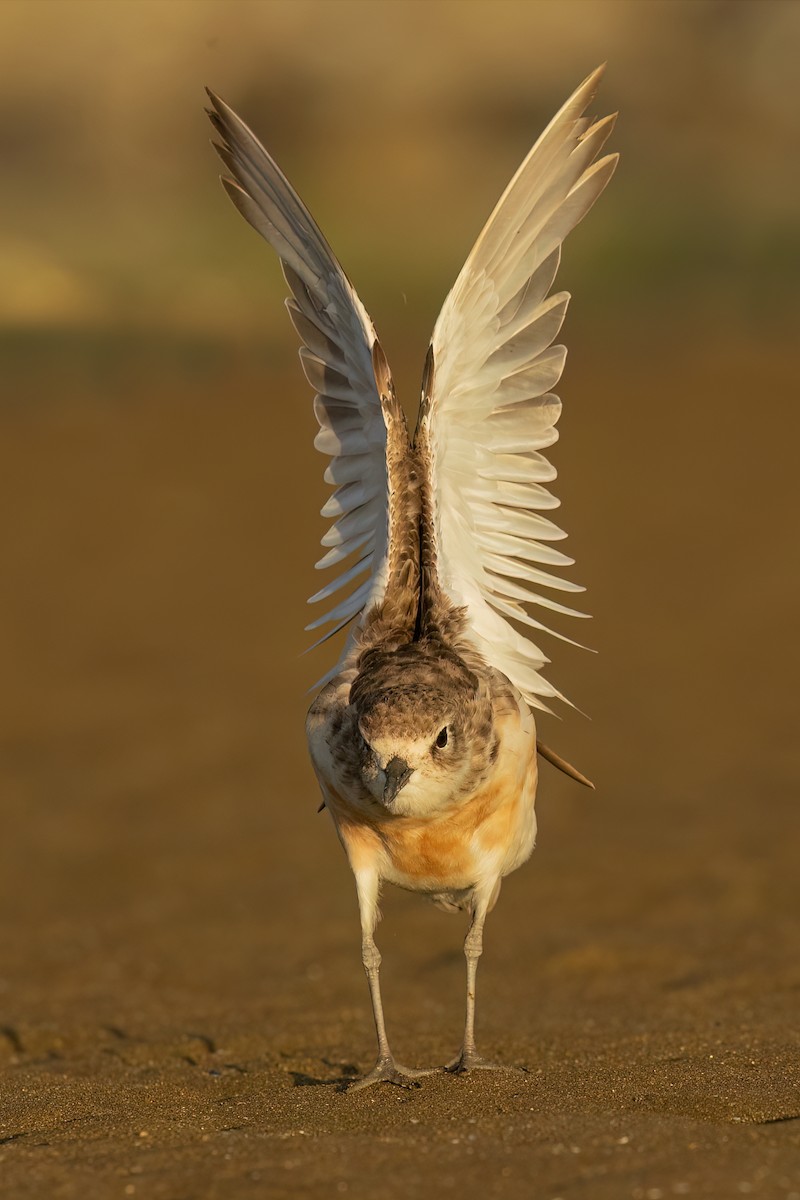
(435, 774)
(413, 751)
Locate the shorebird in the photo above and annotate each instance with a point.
(423, 736)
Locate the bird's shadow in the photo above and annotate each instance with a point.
(340, 1083)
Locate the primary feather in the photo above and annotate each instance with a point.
(492, 411)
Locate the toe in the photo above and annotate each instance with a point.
(470, 1061)
(386, 1070)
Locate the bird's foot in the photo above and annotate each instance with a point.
(386, 1070)
(470, 1060)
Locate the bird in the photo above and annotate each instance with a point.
(422, 735)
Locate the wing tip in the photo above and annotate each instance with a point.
(593, 80)
(606, 123)
(220, 108)
(562, 765)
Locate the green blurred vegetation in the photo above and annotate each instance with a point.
(400, 124)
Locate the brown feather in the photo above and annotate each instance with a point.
(563, 765)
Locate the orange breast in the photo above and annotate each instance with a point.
(451, 850)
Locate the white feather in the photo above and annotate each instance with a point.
(492, 408)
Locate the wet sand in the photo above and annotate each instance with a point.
(181, 995)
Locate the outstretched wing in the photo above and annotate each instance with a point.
(492, 411)
(338, 338)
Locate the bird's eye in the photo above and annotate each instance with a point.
(441, 740)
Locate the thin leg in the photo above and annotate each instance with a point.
(386, 1070)
(469, 1059)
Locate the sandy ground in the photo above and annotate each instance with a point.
(181, 995)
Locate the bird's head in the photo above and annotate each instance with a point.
(425, 727)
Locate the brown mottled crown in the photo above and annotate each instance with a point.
(408, 685)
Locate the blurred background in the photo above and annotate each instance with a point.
(159, 499)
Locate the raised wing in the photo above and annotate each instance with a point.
(338, 339)
(492, 411)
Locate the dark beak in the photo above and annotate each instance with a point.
(398, 773)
